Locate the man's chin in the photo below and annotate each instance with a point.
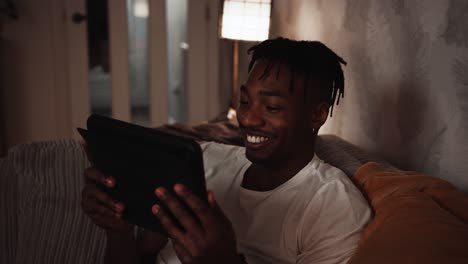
(256, 158)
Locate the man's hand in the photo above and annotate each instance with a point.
(107, 213)
(208, 239)
(98, 205)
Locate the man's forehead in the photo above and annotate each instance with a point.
(266, 91)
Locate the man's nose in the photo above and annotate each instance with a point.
(251, 118)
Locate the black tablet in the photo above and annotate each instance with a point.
(142, 159)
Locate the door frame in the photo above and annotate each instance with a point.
(203, 61)
(77, 58)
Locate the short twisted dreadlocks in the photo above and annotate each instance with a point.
(312, 59)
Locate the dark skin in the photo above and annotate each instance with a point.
(268, 111)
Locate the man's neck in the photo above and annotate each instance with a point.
(268, 176)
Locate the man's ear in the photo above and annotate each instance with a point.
(320, 115)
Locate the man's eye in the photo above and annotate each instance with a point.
(273, 109)
(243, 102)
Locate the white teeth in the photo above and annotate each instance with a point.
(256, 139)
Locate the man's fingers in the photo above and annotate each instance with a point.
(107, 222)
(173, 231)
(214, 205)
(200, 208)
(92, 192)
(94, 175)
(187, 220)
(93, 207)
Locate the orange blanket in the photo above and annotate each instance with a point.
(417, 219)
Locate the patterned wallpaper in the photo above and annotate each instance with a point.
(406, 95)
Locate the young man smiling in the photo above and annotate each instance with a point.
(276, 201)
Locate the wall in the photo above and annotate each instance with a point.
(406, 95)
(32, 81)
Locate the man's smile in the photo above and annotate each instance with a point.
(253, 139)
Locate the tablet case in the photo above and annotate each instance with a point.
(142, 159)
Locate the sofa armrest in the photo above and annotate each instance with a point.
(344, 155)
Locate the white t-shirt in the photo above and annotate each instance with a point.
(317, 216)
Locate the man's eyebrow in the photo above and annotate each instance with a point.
(271, 93)
(277, 93)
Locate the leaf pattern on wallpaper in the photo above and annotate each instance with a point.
(460, 72)
(356, 15)
(376, 33)
(360, 67)
(457, 23)
(398, 6)
(434, 155)
(412, 107)
(398, 49)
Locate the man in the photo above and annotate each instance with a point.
(276, 201)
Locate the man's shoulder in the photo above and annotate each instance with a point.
(318, 175)
(329, 185)
(334, 217)
(329, 177)
(328, 172)
(334, 191)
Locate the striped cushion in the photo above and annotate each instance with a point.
(51, 225)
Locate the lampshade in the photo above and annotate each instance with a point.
(141, 8)
(246, 19)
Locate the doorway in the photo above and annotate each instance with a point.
(149, 62)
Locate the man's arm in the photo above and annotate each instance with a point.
(149, 244)
(121, 247)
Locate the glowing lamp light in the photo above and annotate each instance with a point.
(141, 9)
(247, 20)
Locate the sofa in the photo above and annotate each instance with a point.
(417, 219)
